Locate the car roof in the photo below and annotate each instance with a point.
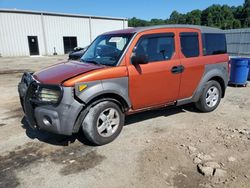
(203, 29)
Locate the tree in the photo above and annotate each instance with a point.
(194, 17)
(157, 22)
(247, 4)
(174, 18)
(182, 19)
(209, 20)
(227, 17)
(237, 12)
(223, 17)
(236, 24)
(177, 18)
(207, 17)
(134, 22)
(246, 13)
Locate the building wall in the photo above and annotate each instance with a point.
(50, 30)
(14, 29)
(100, 26)
(57, 27)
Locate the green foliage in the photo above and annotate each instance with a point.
(223, 17)
(157, 22)
(246, 14)
(194, 17)
(134, 22)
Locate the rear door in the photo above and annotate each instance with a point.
(192, 61)
(154, 83)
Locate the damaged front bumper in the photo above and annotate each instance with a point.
(59, 118)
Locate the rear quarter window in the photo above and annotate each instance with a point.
(214, 44)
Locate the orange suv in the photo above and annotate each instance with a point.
(124, 72)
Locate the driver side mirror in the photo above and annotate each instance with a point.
(139, 59)
(76, 49)
(139, 56)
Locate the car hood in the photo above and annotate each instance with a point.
(60, 72)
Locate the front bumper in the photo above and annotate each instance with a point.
(59, 118)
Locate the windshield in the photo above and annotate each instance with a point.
(106, 49)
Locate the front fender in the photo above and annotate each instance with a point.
(118, 86)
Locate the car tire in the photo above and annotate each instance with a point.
(103, 123)
(210, 98)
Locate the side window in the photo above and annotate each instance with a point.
(214, 44)
(156, 47)
(190, 44)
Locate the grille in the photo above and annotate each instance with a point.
(28, 105)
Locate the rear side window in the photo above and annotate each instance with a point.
(156, 47)
(190, 44)
(214, 44)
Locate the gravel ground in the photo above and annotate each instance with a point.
(171, 147)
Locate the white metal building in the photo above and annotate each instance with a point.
(25, 33)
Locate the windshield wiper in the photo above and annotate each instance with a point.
(91, 61)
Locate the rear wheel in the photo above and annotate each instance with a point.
(103, 123)
(210, 98)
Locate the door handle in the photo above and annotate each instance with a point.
(177, 69)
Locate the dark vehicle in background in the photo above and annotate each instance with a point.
(77, 53)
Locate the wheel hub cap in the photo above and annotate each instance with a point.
(108, 122)
(212, 96)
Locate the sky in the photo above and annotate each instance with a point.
(115, 8)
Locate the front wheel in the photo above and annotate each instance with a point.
(210, 98)
(103, 123)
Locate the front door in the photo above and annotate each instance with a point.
(33, 45)
(157, 82)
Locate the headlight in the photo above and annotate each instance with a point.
(49, 95)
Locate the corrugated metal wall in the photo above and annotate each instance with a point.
(57, 27)
(50, 30)
(104, 26)
(14, 29)
(238, 42)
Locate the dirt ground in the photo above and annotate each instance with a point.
(170, 147)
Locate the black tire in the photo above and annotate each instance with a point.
(89, 124)
(202, 104)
